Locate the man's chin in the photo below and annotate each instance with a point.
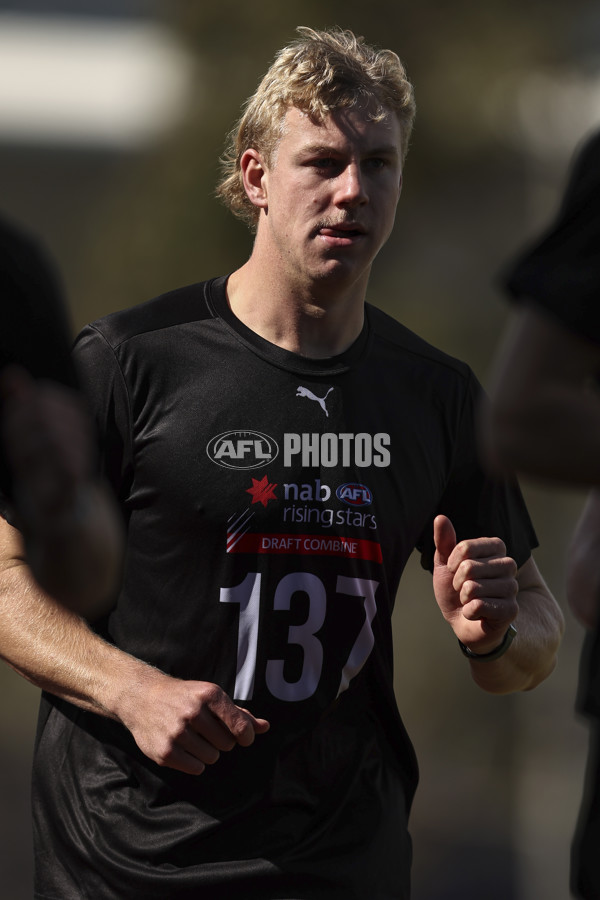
(340, 273)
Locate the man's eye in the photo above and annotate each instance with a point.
(326, 162)
(376, 163)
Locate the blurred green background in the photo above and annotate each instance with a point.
(112, 120)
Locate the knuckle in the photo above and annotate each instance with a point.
(461, 551)
(462, 580)
(186, 715)
(227, 744)
(239, 724)
(467, 567)
(470, 590)
(180, 728)
(163, 753)
(507, 563)
(211, 694)
(211, 756)
(476, 608)
(242, 730)
(497, 546)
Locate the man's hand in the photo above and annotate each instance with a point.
(186, 725)
(475, 586)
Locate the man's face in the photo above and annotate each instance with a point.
(330, 196)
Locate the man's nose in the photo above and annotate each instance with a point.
(351, 190)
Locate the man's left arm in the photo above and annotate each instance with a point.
(481, 594)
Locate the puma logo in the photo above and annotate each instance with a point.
(304, 392)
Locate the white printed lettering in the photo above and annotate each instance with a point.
(380, 443)
(330, 450)
(247, 596)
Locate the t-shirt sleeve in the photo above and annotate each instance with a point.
(105, 390)
(478, 503)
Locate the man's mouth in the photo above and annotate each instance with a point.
(341, 230)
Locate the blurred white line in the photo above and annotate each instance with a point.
(87, 81)
(545, 111)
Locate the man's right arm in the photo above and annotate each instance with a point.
(180, 724)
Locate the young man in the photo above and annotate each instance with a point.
(545, 420)
(279, 449)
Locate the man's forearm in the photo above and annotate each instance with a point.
(532, 655)
(56, 650)
(181, 724)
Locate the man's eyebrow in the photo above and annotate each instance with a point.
(385, 150)
(317, 149)
(327, 149)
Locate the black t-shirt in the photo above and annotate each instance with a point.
(271, 504)
(34, 330)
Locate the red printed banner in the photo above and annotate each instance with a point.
(305, 544)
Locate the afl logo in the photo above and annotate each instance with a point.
(353, 494)
(242, 449)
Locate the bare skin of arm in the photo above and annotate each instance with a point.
(480, 593)
(544, 416)
(184, 725)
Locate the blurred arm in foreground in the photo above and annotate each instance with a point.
(73, 533)
(69, 521)
(545, 421)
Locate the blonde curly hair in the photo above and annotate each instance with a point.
(319, 72)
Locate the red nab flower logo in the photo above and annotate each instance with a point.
(261, 491)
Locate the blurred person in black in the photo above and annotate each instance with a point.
(68, 519)
(278, 447)
(544, 420)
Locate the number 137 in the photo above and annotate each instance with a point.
(247, 596)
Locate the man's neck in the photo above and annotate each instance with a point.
(316, 321)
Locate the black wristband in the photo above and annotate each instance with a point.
(493, 654)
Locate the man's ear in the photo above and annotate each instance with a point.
(254, 177)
